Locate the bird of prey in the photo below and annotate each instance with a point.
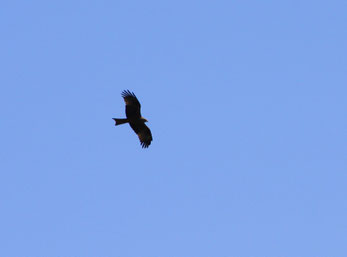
(134, 118)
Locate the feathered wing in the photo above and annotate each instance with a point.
(132, 105)
(143, 132)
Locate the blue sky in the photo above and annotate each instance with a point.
(247, 104)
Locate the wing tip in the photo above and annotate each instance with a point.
(145, 144)
(127, 93)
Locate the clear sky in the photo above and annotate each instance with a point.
(247, 104)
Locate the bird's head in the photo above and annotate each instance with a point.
(143, 119)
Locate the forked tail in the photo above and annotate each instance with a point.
(120, 121)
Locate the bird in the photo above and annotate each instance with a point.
(134, 118)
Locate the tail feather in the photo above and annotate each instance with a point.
(120, 121)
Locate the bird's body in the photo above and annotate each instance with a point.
(134, 118)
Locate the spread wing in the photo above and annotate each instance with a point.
(143, 132)
(132, 105)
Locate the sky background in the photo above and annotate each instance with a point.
(247, 104)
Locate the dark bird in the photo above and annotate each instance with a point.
(134, 118)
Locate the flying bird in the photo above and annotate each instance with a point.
(134, 118)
